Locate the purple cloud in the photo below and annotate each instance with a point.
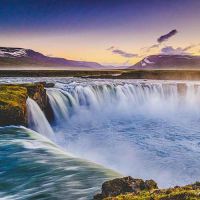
(178, 51)
(191, 47)
(124, 54)
(121, 52)
(110, 48)
(169, 50)
(167, 36)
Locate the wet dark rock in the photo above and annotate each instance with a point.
(49, 85)
(124, 185)
(37, 92)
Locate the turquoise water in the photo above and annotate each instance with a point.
(32, 167)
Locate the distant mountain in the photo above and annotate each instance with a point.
(20, 57)
(168, 62)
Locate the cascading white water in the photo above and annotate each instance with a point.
(135, 127)
(122, 98)
(37, 120)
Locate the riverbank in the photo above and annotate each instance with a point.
(128, 188)
(108, 74)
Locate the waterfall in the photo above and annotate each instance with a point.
(37, 120)
(110, 96)
(121, 98)
(132, 126)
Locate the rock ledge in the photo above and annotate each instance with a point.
(128, 188)
(13, 110)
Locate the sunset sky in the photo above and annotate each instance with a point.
(111, 32)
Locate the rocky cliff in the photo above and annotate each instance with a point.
(128, 188)
(13, 110)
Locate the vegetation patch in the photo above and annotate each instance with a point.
(12, 104)
(128, 188)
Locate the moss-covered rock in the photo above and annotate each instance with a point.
(124, 185)
(13, 102)
(150, 192)
(13, 105)
(37, 92)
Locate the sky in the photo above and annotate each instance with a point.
(111, 32)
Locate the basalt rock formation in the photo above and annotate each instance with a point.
(13, 110)
(128, 188)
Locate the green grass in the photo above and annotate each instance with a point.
(11, 95)
(189, 192)
(12, 105)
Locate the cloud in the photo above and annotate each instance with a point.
(110, 48)
(167, 36)
(169, 50)
(121, 52)
(154, 46)
(147, 49)
(191, 47)
(178, 51)
(124, 54)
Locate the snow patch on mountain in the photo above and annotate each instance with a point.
(147, 61)
(143, 64)
(12, 52)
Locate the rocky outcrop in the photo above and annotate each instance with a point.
(128, 188)
(37, 92)
(13, 98)
(124, 185)
(13, 105)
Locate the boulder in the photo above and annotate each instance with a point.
(128, 188)
(124, 185)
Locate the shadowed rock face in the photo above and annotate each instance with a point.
(124, 185)
(13, 110)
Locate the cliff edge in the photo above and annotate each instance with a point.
(13, 109)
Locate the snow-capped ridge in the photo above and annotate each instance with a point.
(162, 61)
(12, 52)
(10, 56)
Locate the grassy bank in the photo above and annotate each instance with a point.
(190, 192)
(57, 73)
(13, 105)
(13, 108)
(114, 74)
(128, 188)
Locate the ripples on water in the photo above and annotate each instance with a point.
(141, 128)
(34, 168)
